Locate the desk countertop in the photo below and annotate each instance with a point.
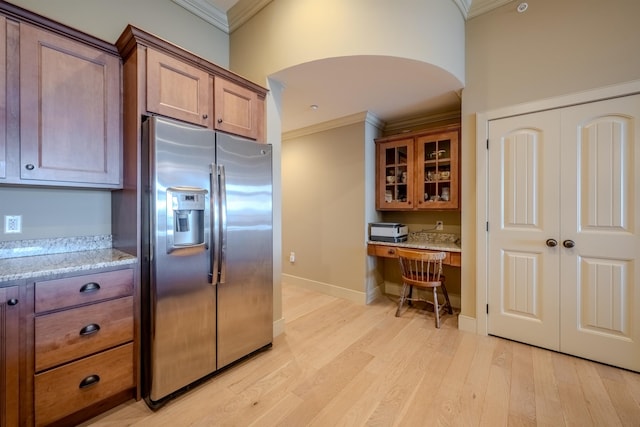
(432, 246)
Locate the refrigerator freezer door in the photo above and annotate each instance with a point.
(245, 297)
(182, 342)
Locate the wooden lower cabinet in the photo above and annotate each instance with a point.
(9, 355)
(84, 349)
(64, 390)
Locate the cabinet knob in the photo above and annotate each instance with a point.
(91, 328)
(89, 287)
(12, 301)
(205, 116)
(89, 381)
(220, 120)
(29, 167)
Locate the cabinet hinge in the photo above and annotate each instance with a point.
(487, 308)
(487, 226)
(487, 143)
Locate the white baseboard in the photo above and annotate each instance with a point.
(326, 288)
(374, 295)
(278, 327)
(467, 324)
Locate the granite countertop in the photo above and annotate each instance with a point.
(61, 256)
(447, 242)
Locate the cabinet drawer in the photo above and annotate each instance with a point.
(69, 388)
(382, 251)
(63, 293)
(68, 335)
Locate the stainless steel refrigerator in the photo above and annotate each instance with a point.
(207, 282)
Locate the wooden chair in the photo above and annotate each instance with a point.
(424, 270)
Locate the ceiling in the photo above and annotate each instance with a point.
(392, 89)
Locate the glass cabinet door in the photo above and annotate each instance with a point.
(395, 174)
(437, 168)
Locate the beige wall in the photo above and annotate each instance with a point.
(323, 207)
(66, 212)
(291, 32)
(555, 48)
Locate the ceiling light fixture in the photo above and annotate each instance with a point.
(314, 107)
(522, 7)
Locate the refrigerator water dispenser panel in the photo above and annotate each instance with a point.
(185, 218)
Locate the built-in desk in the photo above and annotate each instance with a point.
(388, 250)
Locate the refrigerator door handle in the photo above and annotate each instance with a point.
(214, 202)
(223, 225)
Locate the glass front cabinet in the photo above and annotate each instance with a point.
(418, 171)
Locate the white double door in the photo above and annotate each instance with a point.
(564, 240)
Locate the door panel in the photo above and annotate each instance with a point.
(523, 205)
(571, 175)
(601, 213)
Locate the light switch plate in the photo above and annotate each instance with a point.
(12, 224)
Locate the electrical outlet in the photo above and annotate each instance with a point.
(13, 224)
(292, 257)
(439, 225)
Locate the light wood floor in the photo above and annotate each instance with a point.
(341, 364)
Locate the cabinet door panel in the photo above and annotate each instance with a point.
(3, 97)
(64, 390)
(66, 335)
(176, 89)
(9, 352)
(69, 111)
(238, 109)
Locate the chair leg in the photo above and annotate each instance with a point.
(436, 309)
(446, 297)
(403, 293)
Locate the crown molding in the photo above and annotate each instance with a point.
(480, 7)
(464, 6)
(362, 117)
(206, 11)
(423, 120)
(244, 10)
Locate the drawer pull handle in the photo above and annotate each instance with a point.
(391, 252)
(90, 329)
(12, 301)
(89, 287)
(89, 381)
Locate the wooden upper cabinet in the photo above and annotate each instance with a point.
(69, 111)
(177, 89)
(3, 97)
(419, 171)
(238, 110)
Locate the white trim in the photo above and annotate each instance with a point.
(464, 6)
(362, 117)
(244, 10)
(480, 7)
(375, 293)
(326, 288)
(482, 158)
(278, 327)
(467, 324)
(206, 11)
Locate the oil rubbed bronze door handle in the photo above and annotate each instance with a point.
(568, 244)
(12, 301)
(552, 243)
